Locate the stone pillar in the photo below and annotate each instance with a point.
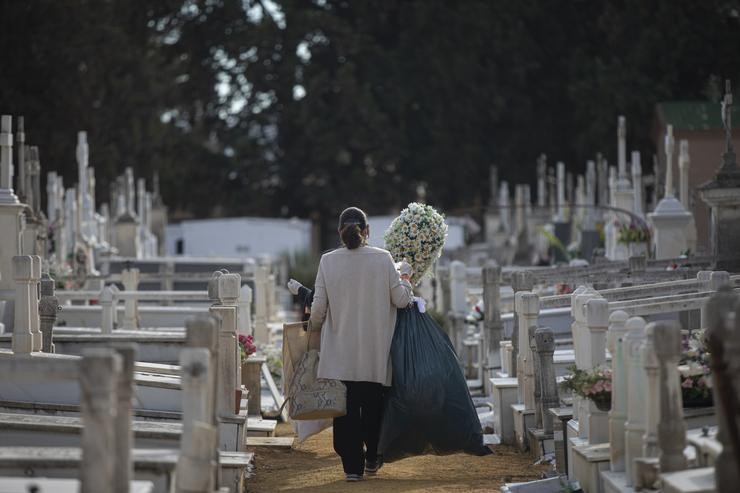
(492, 314)
(638, 207)
(545, 343)
(99, 371)
(109, 308)
(520, 281)
(561, 193)
(23, 275)
(528, 310)
(197, 461)
(670, 219)
(722, 195)
(34, 295)
(223, 290)
(683, 173)
(124, 437)
(504, 206)
(11, 221)
(618, 414)
(48, 307)
(20, 145)
(652, 394)
(261, 331)
(561, 225)
(635, 425)
(723, 338)
(245, 310)
(596, 318)
(671, 428)
(458, 287)
(536, 374)
(130, 280)
(542, 181)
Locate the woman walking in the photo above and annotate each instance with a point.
(356, 295)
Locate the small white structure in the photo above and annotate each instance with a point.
(238, 237)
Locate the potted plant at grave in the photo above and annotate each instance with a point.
(595, 385)
(695, 374)
(635, 236)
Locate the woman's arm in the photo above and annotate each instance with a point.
(320, 302)
(402, 294)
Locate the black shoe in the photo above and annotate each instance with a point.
(372, 467)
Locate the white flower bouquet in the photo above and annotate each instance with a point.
(417, 236)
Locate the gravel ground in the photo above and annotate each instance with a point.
(314, 467)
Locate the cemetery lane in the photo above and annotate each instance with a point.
(314, 467)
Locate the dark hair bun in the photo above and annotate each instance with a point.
(352, 221)
(351, 235)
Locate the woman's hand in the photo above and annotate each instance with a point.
(405, 270)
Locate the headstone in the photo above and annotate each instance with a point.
(124, 439)
(562, 228)
(669, 219)
(545, 344)
(493, 185)
(492, 326)
(130, 281)
(48, 308)
(505, 208)
(652, 395)
(33, 296)
(158, 216)
(722, 195)
(622, 177)
(589, 235)
(521, 280)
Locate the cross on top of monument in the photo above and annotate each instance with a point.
(727, 115)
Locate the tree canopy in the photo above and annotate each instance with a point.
(301, 107)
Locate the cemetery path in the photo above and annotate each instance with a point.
(313, 467)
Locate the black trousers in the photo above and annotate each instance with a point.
(357, 433)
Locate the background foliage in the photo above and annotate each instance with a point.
(300, 107)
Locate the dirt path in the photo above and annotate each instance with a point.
(313, 467)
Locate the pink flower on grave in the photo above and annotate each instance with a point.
(598, 387)
(687, 383)
(608, 386)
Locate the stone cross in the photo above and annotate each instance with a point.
(602, 173)
(130, 192)
(34, 179)
(671, 427)
(623, 180)
(542, 181)
(635, 425)
(551, 195)
(492, 184)
(590, 223)
(6, 161)
(637, 182)
(545, 344)
(727, 115)
(504, 207)
(669, 145)
(51, 196)
(683, 172)
(561, 193)
(20, 145)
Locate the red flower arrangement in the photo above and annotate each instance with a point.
(246, 347)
